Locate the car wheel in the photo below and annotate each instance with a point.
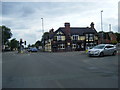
(114, 53)
(89, 55)
(101, 54)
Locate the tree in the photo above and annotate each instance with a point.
(6, 34)
(45, 37)
(29, 46)
(33, 45)
(38, 43)
(14, 43)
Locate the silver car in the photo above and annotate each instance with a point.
(102, 49)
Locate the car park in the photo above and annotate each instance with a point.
(102, 50)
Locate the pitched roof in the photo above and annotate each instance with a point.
(76, 30)
(79, 30)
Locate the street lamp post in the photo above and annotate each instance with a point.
(102, 25)
(3, 46)
(43, 32)
(109, 27)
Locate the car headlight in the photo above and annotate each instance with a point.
(96, 51)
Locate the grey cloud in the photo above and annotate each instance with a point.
(30, 35)
(16, 9)
(16, 24)
(27, 15)
(115, 28)
(24, 9)
(119, 29)
(113, 22)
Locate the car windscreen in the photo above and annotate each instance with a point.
(99, 47)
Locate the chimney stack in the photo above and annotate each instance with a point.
(67, 28)
(51, 30)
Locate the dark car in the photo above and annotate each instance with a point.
(34, 49)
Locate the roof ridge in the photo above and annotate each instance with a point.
(75, 27)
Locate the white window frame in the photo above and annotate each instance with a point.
(59, 37)
(75, 37)
(86, 36)
(91, 39)
(62, 46)
(59, 33)
(73, 46)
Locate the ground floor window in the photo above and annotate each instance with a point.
(73, 46)
(82, 45)
(61, 46)
(90, 45)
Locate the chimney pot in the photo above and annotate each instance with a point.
(92, 25)
(67, 24)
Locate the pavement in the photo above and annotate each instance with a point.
(59, 70)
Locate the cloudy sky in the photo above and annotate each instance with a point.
(24, 18)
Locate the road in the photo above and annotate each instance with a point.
(59, 70)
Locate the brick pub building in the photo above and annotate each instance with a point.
(71, 38)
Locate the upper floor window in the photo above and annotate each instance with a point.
(95, 38)
(82, 38)
(86, 35)
(89, 37)
(55, 38)
(59, 37)
(63, 38)
(75, 37)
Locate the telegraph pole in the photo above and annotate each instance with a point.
(3, 46)
(102, 25)
(109, 27)
(43, 32)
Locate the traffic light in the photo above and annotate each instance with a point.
(25, 42)
(21, 41)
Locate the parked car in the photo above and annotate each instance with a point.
(34, 49)
(102, 49)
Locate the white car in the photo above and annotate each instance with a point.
(102, 49)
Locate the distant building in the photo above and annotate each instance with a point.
(107, 37)
(71, 38)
